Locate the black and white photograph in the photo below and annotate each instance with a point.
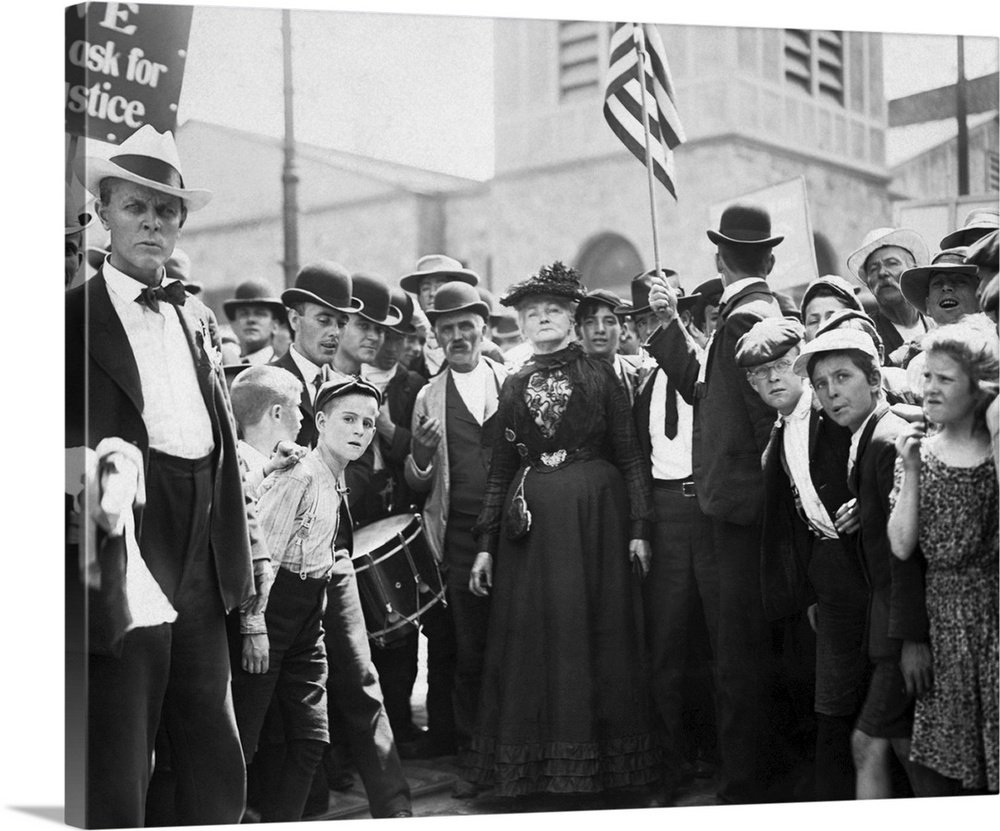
(582, 414)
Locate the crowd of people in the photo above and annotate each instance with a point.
(716, 533)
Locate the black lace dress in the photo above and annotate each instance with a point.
(565, 703)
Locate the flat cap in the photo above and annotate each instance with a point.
(768, 340)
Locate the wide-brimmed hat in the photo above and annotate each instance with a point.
(557, 280)
(881, 238)
(254, 293)
(376, 301)
(597, 297)
(978, 223)
(833, 285)
(836, 340)
(77, 218)
(639, 288)
(437, 265)
(404, 302)
(983, 252)
(147, 158)
(702, 295)
(914, 282)
(744, 224)
(326, 283)
(457, 296)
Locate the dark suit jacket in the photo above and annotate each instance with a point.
(104, 398)
(731, 423)
(896, 605)
(307, 431)
(786, 542)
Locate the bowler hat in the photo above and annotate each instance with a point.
(457, 296)
(147, 158)
(978, 223)
(326, 283)
(640, 286)
(437, 265)
(744, 224)
(914, 283)
(881, 238)
(374, 295)
(404, 302)
(254, 293)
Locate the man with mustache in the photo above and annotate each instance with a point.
(454, 430)
(879, 263)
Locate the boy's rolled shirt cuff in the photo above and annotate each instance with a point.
(252, 624)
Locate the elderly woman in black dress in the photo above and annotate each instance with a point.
(563, 536)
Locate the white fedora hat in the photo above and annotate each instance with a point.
(77, 216)
(880, 238)
(147, 158)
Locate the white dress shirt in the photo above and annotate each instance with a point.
(795, 438)
(308, 369)
(260, 357)
(671, 457)
(174, 410)
(478, 389)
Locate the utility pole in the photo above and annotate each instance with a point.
(961, 109)
(289, 177)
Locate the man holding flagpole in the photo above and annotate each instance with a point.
(731, 429)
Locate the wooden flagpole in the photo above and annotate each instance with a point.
(640, 48)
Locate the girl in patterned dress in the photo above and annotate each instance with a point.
(945, 502)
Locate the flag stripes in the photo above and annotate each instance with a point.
(623, 106)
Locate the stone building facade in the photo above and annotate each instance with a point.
(759, 107)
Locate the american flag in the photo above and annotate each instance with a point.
(623, 106)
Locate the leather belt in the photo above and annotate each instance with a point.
(685, 487)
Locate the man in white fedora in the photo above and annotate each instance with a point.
(143, 368)
(432, 272)
(880, 261)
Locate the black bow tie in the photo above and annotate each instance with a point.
(172, 293)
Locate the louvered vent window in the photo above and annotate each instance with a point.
(814, 63)
(579, 59)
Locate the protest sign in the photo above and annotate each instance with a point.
(124, 67)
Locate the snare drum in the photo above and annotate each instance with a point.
(398, 579)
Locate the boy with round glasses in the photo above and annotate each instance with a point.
(809, 526)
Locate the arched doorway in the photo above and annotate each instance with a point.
(608, 261)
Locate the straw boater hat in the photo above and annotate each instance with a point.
(881, 238)
(437, 265)
(147, 158)
(76, 217)
(326, 283)
(254, 293)
(457, 296)
(376, 303)
(744, 225)
(915, 282)
(978, 223)
(556, 280)
(640, 286)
